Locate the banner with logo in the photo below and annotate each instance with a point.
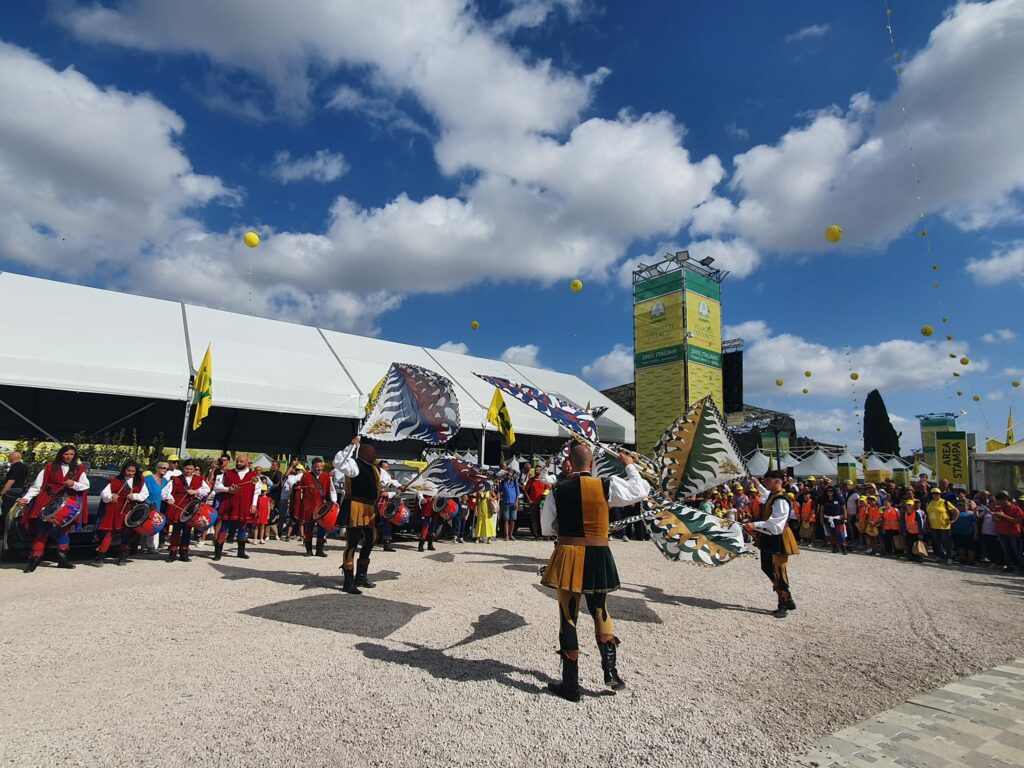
(703, 302)
(659, 353)
(951, 455)
(930, 426)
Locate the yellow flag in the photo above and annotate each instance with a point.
(497, 414)
(1009, 428)
(203, 389)
(917, 466)
(373, 395)
(993, 445)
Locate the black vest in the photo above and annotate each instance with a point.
(569, 505)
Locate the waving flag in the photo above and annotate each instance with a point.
(564, 414)
(697, 452)
(451, 477)
(497, 414)
(688, 535)
(413, 404)
(203, 388)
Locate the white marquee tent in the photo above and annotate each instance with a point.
(816, 464)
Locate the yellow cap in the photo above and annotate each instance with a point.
(812, 477)
(790, 496)
(173, 457)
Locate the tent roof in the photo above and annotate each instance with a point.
(787, 461)
(876, 463)
(816, 464)
(258, 364)
(757, 464)
(1011, 453)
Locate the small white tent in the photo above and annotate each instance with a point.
(757, 464)
(817, 464)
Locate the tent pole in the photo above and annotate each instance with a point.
(26, 418)
(483, 443)
(184, 425)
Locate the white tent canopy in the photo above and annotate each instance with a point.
(848, 458)
(817, 464)
(876, 463)
(787, 461)
(757, 464)
(258, 364)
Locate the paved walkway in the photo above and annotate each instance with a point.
(977, 722)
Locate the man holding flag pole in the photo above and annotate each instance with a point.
(497, 414)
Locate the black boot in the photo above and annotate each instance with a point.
(349, 585)
(430, 544)
(790, 605)
(781, 612)
(98, 560)
(172, 555)
(569, 688)
(362, 566)
(320, 548)
(309, 548)
(388, 547)
(421, 544)
(218, 550)
(32, 564)
(183, 555)
(241, 549)
(835, 550)
(62, 560)
(611, 674)
(122, 558)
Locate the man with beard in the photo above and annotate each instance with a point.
(241, 492)
(362, 489)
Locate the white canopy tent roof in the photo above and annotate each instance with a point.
(817, 464)
(757, 464)
(876, 463)
(1012, 454)
(787, 461)
(258, 364)
(848, 458)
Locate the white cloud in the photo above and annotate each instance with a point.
(995, 396)
(89, 176)
(749, 330)
(736, 256)
(533, 13)
(810, 32)
(1004, 264)
(999, 335)
(851, 166)
(735, 132)
(612, 368)
(1013, 372)
(455, 347)
(837, 426)
(380, 111)
(323, 165)
(526, 354)
(897, 364)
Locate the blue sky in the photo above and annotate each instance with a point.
(413, 166)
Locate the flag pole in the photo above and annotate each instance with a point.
(483, 444)
(188, 407)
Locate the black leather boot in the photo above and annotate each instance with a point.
(122, 558)
(241, 549)
(569, 688)
(62, 560)
(218, 550)
(98, 560)
(362, 566)
(430, 544)
(611, 674)
(349, 585)
(421, 544)
(387, 546)
(320, 548)
(309, 548)
(183, 555)
(172, 555)
(32, 564)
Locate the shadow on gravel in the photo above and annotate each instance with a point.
(437, 664)
(303, 579)
(490, 624)
(624, 608)
(363, 616)
(656, 595)
(1012, 584)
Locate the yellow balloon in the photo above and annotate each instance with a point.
(839, 429)
(807, 374)
(976, 398)
(805, 390)
(474, 325)
(949, 338)
(834, 233)
(854, 375)
(779, 382)
(963, 412)
(957, 374)
(959, 393)
(935, 267)
(251, 239)
(927, 330)
(576, 285)
(965, 361)
(952, 355)
(1015, 383)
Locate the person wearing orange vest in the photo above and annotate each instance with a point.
(890, 527)
(912, 526)
(805, 513)
(872, 525)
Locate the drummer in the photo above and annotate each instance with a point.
(64, 472)
(309, 492)
(121, 494)
(183, 489)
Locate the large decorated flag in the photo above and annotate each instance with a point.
(688, 535)
(451, 476)
(697, 452)
(565, 414)
(413, 404)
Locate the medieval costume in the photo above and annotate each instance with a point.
(776, 541)
(241, 489)
(577, 511)
(179, 493)
(120, 495)
(309, 491)
(53, 480)
(362, 490)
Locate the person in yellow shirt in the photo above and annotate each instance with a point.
(872, 525)
(941, 514)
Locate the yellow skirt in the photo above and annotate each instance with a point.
(362, 515)
(587, 570)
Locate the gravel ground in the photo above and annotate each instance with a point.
(266, 662)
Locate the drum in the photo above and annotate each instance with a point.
(199, 517)
(61, 511)
(327, 516)
(446, 509)
(144, 521)
(397, 514)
